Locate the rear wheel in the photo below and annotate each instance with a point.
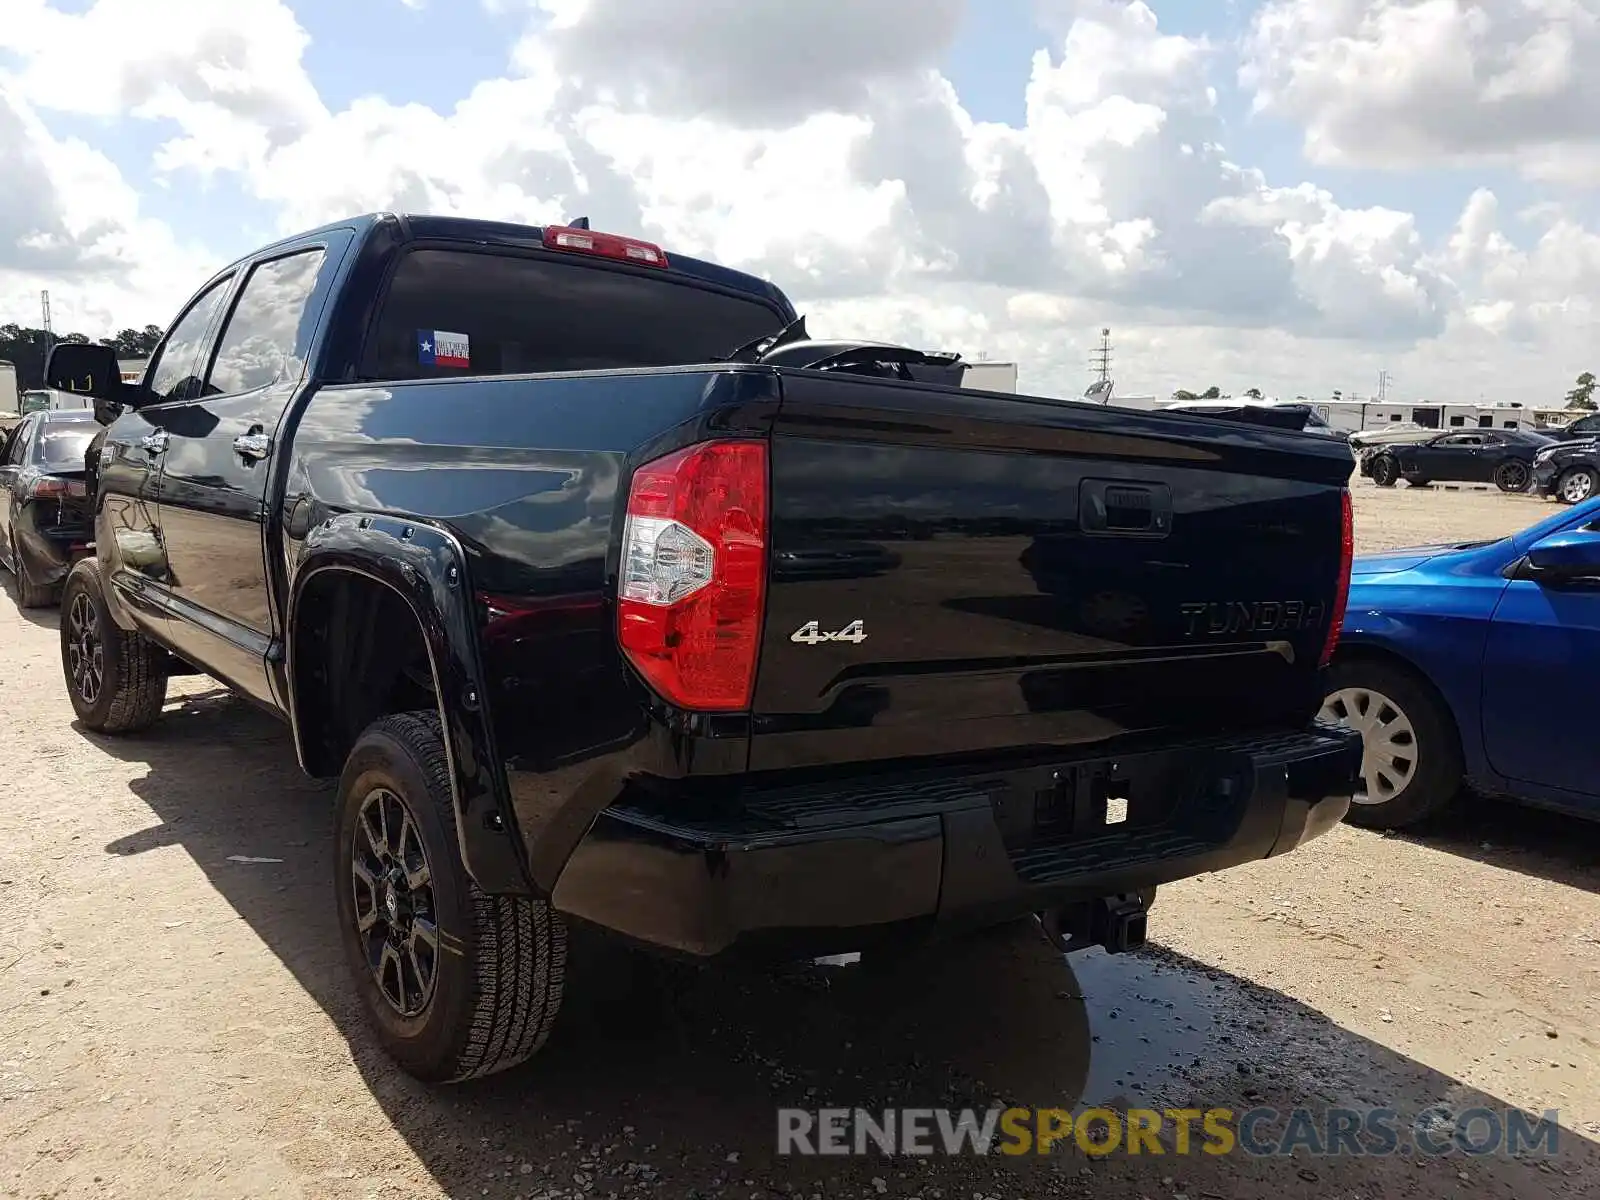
(1411, 756)
(456, 982)
(1513, 475)
(1576, 485)
(1385, 470)
(117, 681)
(29, 593)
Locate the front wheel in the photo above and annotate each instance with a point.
(1576, 485)
(1410, 753)
(1385, 471)
(116, 680)
(456, 982)
(1512, 475)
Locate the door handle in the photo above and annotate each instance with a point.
(254, 446)
(154, 443)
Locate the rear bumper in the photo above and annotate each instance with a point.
(51, 552)
(829, 868)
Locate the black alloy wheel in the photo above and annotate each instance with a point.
(1513, 475)
(86, 652)
(392, 886)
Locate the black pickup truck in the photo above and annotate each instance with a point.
(611, 597)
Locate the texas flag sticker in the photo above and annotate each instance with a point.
(436, 348)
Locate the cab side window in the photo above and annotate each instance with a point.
(269, 331)
(175, 376)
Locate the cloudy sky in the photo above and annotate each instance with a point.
(1290, 194)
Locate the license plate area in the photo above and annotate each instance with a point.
(1124, 797)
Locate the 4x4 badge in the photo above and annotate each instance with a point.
(811, 634)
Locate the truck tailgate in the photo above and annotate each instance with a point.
(961, 574)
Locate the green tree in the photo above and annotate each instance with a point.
(1582, 396)
(1253, 393)
(1184, 394)
(1211, 393)
(134, 343)
(26, 348)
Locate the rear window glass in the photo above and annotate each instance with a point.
(62, 447)
(453, 312)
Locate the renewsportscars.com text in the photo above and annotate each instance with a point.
(1258, 1132)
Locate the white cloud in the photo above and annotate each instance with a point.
(70, 223)
(747, 62)
(1408, 83)
(820, 145)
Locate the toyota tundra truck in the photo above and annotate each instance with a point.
(610, 596)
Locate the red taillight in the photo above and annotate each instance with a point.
(46, 486)
(605, 245)
(692, 581)
(1341, 595)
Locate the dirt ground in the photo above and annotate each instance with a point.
(176, 1022)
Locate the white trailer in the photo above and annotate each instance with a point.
(10, 400)
(1353, 416)
(990, 376)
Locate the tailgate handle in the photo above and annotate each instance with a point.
(1117, 508)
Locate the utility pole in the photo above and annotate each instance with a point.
(1383, 386)
(1100, 360)
(49, 335)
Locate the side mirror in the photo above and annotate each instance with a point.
(84, 370)
(1574, 554)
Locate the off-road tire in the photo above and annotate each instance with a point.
(134, 676)
(501, 964)
(1385, 471)
(1438, 773)
(1568, 476)
(29, 593)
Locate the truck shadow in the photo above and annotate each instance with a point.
(684, 1067)
(1516, 837)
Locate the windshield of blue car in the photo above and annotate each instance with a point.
(62, 447)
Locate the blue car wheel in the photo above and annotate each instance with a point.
(1411, 760)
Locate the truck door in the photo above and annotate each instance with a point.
(219, 463)
(128, 539)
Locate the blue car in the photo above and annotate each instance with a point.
(1475, 664)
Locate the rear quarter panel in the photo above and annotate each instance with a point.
(529, 475)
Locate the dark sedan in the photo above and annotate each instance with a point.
(1503, 457)
(1568, 471)
(44, 512)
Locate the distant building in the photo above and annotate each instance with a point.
(132, 369)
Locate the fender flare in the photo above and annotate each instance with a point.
(427, 568)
